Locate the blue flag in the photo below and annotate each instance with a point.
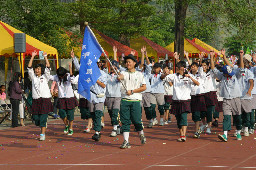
(89, 71)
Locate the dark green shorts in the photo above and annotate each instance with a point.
(40, 120)
(85, 113)
(167, 106)
(182, 119)
(67, 113)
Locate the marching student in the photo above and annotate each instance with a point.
(83, 102)
(246, 84)
(210, 94)
(113, 95)
(182, 85)
(198, 106)
(41, 104)
(146, 95)
(253, 69)
(96, 103)
(231, 93)
(157, 92)
(67, 101)
(168, 87)
(130, 109)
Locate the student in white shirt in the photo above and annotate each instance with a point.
(41, 104)
(168, 87)
(130, 110)
(67, 101)
(182, 85)
(231, 92)
(246, 83)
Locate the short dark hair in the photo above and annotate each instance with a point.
(195, 64)
(42, 68)
(2, 86)
(181, 64)
(166, 65)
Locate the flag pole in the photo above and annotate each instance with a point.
(105, 55)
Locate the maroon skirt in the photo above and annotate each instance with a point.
(198, 103)
(67, 103)
(179, 107)
(168, 99)
(211, 99)
(83, 103)
(219, 106)
(41, 106)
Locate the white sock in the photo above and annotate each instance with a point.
(151, 120)
(161, 119)
(154, 118)
(115, 127)
(239, 132)
(246, 129)
(226, 133)
(141, 132)
(97, 133)
(126, 136)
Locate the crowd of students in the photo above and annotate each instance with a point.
(202, 88)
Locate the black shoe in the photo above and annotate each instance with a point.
(215, 123)
(96, 137)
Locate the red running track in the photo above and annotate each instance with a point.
(20, 149)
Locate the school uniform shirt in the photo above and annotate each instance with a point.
(218, 91)
(196, 90)
(168, 89)
(157, 84)
(243, 79)
(97, 89)
(253, 70)
(132, 81)
(113, 86)
(76, 63)
(65, 87)
(181, 87)
(147, 74)
(40, 88)
(208, 80)
(229, 86)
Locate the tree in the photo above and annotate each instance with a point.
(45, 20)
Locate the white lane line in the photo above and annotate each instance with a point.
(61, 164)
(236, 165)
(248, 167)
(177, 156)
(189, 166)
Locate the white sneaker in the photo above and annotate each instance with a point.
(42, 137)
(166, 122)
(235, 134)
(113, 133)
(242, 130)
(208, 131)
(161, 123)
(251, 131)
(202, 128)
(102, 124)
(155, 122)
(87, 130)
(246, 133)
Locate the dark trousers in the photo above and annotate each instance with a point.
(15, 111)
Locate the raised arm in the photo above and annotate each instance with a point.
(142, 57)
(241, 59)
(193, 80)
(75, 60)
(46, 60)
(115, 52)
(223, 52)
(212, 60)
(70, 69)
(31, 59)
(201, 56)
(176, 56)
(186, 54)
